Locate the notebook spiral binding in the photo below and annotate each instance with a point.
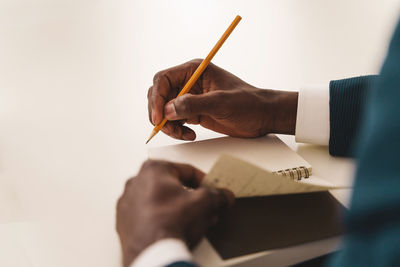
(297, 173)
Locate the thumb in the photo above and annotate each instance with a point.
(213, 200)
(189, 105)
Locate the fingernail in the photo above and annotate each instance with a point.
(170, 112)
(153, 118)
(188, 136)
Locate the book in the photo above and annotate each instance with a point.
(274, 222)
(280, 203)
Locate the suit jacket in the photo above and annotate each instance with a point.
(373, 223)
(365, 121)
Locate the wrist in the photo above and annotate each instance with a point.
(279, 111)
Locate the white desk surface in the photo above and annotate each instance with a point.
(73, 82)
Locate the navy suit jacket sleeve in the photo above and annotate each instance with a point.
(182, 264)
(373, 223)
(347, 98)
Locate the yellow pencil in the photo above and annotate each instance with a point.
(200, 70)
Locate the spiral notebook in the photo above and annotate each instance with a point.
(268, 153)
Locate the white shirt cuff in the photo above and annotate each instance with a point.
(162, 253)
(312, 123)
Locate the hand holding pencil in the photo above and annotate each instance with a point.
(219, 101)
(200, 69)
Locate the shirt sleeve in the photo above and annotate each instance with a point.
(312, 122)
(162, 253)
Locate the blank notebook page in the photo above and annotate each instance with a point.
(267, 152)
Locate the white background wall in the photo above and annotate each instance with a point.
(73, 81)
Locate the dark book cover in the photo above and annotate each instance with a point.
(263, 223)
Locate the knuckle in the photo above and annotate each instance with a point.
(193, 64)
(153, 186)
(214, 198)
(120, 202)
(155, 166)
(149, 92)
(157, 77)
(196, 61)
(128, 182)
(148, 164)
(203, 194)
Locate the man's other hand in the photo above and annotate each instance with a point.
(219, 101)
(158, 204)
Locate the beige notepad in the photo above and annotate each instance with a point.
(247, 180)
(268, 153)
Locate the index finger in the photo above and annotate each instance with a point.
(166, 86)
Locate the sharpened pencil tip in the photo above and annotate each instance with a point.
(153, 133)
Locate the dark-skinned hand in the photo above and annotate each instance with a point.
(156, 205)
(219, 101)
